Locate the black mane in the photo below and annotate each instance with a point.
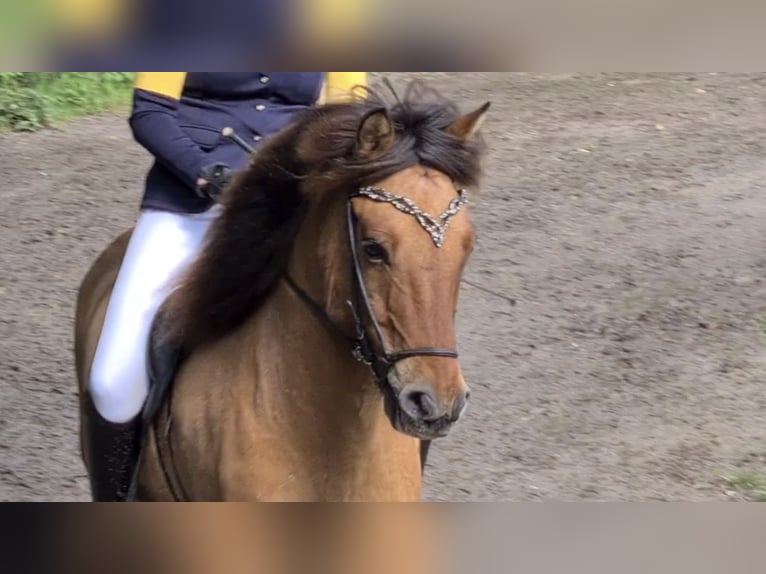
(248, 246)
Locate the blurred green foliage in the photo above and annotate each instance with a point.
(33, 100)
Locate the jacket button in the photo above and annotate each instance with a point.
(257, 138)
(260, 107)
(265, 79)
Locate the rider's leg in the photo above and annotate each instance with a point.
(161, 246)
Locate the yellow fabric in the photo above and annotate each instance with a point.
(325, 21)
(339, 86)
(170, 84)
(329, 21)
(89, 18)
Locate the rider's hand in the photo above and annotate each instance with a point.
(213, 180)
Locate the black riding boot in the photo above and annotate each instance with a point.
(113, 450)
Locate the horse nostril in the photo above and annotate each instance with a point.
(420, 405)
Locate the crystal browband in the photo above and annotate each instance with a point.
(435, 226)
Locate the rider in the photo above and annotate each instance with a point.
(178, 118)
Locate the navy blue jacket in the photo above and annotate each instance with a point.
(179, 120)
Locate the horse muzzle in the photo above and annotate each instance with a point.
(423, 414)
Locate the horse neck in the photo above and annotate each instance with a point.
(318, 380)
(318, 365)
(323, 404)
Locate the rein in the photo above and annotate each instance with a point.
(381, 361)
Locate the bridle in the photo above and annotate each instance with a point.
(380, 360)
(377, 354)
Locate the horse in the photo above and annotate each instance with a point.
(318, 321)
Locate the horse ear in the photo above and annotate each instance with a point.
(466, 127)
(376, 133)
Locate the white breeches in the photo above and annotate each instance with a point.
(162, 245)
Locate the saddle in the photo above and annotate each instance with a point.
(164, 359)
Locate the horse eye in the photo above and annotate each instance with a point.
(375, 251)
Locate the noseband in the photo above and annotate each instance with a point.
(379, 357)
